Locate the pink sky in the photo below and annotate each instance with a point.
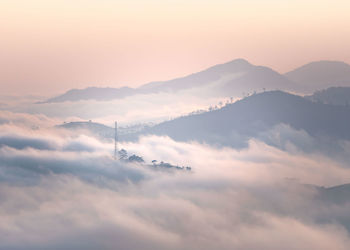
(47, 47)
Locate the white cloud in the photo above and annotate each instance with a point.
(130, 110)
(63, 198)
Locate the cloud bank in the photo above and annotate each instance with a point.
(64, 191)
(139, 108)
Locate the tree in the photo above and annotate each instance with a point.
(135, 158)
(123, 155)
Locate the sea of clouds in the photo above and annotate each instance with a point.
(140, 108)
(62, 190)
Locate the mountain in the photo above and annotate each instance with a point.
(256, 79)
(99, 94)
(321, 75)
(100, 130)
(252, 117)
(94, 128)
(210, 75)
(333, 95)
(223, 80)
(336, 194)
(235, 123)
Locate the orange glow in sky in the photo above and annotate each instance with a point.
(51, 46)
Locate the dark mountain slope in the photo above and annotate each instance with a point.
(235, 123)
(333, 95)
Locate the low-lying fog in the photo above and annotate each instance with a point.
(61, 190)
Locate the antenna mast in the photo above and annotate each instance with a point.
(115, 140)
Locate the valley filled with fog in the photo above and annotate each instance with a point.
(236, 156)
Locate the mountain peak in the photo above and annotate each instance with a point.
(239, 61)
(234, 65)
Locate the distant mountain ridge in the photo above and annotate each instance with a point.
(94, 128)
(234, 124)
(101, 130)
(320, 75)
(229, 79)
(223, 80)
(334, 95)
(200, 78)
(101, 94)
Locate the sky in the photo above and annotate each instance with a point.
(48, 47)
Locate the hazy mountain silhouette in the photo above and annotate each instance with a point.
(256, 79)
(235, 123)
(94, 128)
(201, 78)
(100, 130)
(320, 75)
(333, 95)
(336, 194)
(228, 79)
(95, 93)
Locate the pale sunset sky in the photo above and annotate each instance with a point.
(50, 46)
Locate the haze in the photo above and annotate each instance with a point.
(48, 47)
(174, 125)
